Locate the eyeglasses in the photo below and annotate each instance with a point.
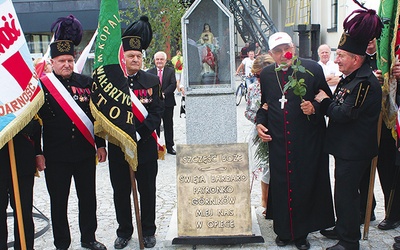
(281, 50)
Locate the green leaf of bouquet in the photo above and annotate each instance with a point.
(302, 69)
(286, 87)
(302, 91)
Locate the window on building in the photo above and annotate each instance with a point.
(291, 13)
(298, 12)
(38, 43)
(304, 12)
(333, 16)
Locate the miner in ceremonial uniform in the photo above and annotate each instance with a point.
(28, 156)
(353, 120)
(68, 142)
(300, 197)
(146, 88)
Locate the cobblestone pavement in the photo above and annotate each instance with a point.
(166, 204)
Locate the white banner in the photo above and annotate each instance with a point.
(21, 95)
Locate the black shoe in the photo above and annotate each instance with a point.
(302, 244)
(396, 246)
(280, 242)
(388, 224)
(62, 248)
(94, 245)
(171, 151)
(336, 247)
(329, 233)
(149, 241)
(397, 239)
(121, 243)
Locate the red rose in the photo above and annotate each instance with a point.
(288, 55)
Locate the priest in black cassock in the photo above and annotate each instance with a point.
(300, 198)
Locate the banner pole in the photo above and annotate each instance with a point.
(374, 164)
(136, 205)
(17, 196)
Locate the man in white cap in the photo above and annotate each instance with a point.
(300, 199)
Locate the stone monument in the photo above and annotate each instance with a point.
(213, 190)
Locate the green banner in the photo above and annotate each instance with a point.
(111, 103)
(389, 13)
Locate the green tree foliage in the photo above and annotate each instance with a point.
(165, 19)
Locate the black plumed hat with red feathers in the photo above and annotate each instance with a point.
(67, 34)
(360, 27)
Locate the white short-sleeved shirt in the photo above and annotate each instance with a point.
(248, 64)
(330, 68)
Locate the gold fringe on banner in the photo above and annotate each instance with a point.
(161, 153)
(8, 132)
(108, 131)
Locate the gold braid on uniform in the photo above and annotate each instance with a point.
(362, 94)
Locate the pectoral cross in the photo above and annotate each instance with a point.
(283, 100)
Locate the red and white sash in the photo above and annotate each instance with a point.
(141, 113)
(70, 107)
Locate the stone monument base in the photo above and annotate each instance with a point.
(173, 238)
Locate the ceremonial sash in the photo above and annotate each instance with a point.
(141, 113)
(70, 107)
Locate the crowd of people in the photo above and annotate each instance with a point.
(334, 112)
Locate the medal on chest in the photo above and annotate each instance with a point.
(144, 95)
(80, 94)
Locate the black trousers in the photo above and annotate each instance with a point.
(168, 122)
(25, 184)
(348, 175)
(387, 172)
(58, 181)
(146, 181)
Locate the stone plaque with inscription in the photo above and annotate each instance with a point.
(213, 190)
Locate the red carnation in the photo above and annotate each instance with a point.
(288, 55)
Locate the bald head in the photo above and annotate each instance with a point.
(324, 53)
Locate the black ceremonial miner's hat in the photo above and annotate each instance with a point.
(138, 35)
(360, 27)
(67, 34)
